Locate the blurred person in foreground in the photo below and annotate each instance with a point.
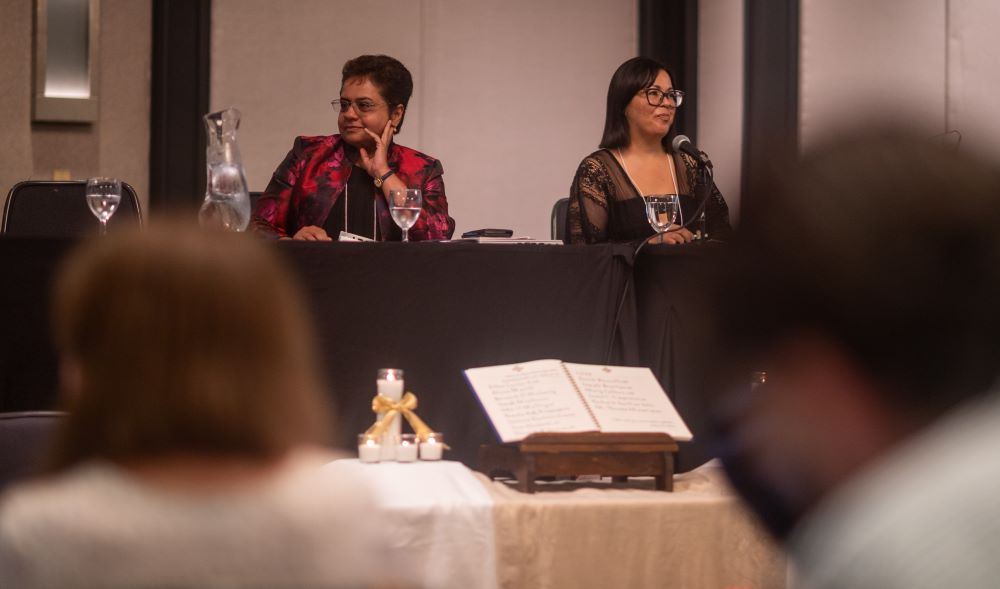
(191, 456)
(867, 285)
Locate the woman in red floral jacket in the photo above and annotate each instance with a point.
(334, 183)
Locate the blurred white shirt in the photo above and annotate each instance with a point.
(926, 516)
(97, 526)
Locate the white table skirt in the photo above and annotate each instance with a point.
(439, 515)
(463, 530)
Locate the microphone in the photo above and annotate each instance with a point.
(681, 143)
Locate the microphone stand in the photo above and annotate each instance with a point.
(703, 192)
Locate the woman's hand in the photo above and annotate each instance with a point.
(675, 235)
(311, 233)
(376, 161)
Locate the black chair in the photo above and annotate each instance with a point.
(59, 209)
(24, 438)
(254, 197)
(559, 213)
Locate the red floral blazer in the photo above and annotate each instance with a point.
(314, 175)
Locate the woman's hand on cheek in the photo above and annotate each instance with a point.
(376, 161)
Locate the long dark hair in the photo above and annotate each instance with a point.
(630, 77)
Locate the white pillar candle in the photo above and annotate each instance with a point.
(390, 384)
(369, 450)
(432, 447)
(406, 451)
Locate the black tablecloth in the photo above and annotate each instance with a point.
(676, 333)
(434, 309)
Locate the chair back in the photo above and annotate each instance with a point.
(59, 209)
(24, 438)
(254, 197)
(559, 213)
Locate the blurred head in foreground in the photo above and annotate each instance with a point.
(867, 285)
(189, 454)
(178, 341)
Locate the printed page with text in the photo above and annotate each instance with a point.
(627, 399)
(527, 398)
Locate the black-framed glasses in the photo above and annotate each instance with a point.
(656, 97)
(361, 106)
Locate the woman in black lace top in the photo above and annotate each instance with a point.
(635, 159)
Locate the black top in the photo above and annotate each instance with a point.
(604, 205)
(360, 215)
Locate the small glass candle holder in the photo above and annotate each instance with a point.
(406, 450)
(369, 448)
(433, 447)
(389, 374)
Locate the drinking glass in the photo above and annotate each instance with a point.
(405, 208)
(103, 198)
(662, 211)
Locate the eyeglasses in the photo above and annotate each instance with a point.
(361, 106)
(655, 97)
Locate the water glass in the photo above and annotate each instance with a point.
(405, 208)
(662, 211)
(103, 197)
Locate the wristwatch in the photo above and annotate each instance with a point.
(383, 178)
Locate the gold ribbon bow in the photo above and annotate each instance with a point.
(406, 406)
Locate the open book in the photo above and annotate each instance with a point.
(553, 396)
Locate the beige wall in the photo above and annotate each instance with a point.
(509, 96)
(720, 93)
(934, 63)
(15, 94)
(974, 72)
(281, 68)
(117, 144)
(864, 60)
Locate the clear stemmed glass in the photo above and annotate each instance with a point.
(662, 211)
(103, 197)
(405, 208)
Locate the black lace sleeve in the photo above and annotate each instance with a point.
(587, 221)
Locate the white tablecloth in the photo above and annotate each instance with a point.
(467, 531)
(439, 514)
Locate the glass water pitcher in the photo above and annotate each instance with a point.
(227, 199)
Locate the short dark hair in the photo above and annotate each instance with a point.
(887, 245)
(388, 74)
(630, 77)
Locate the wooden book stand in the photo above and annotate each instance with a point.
(587, 453)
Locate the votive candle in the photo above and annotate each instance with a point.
(369, 448)
(432, 447)
(406, 451)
